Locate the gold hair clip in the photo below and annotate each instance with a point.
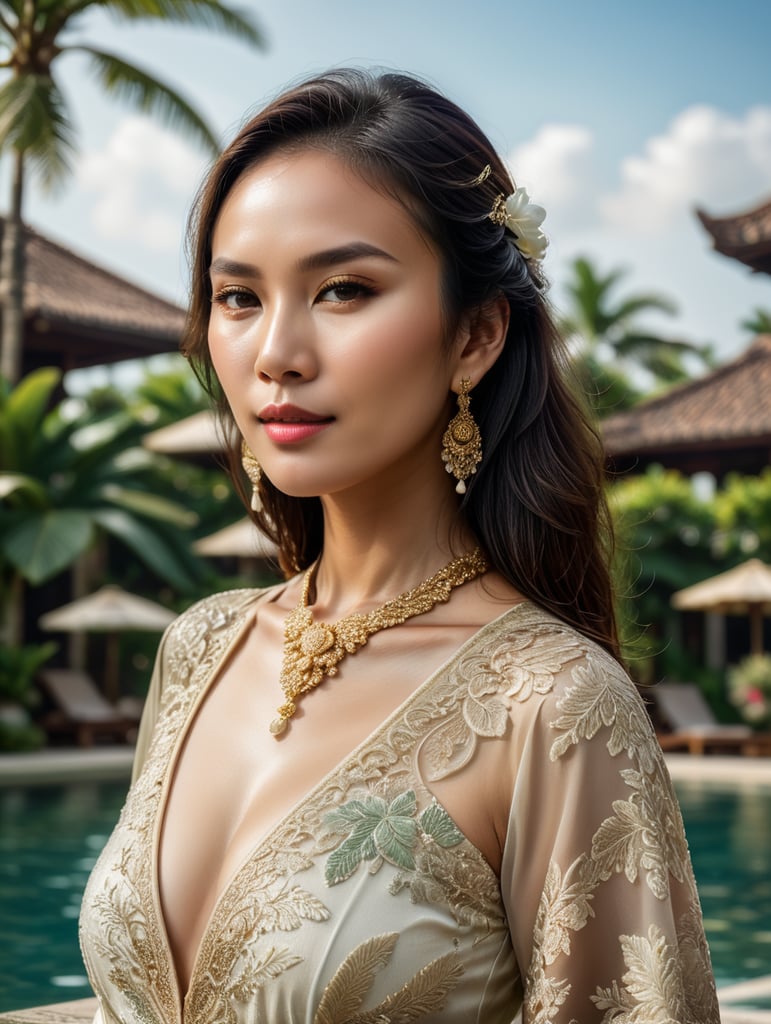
(523, 219)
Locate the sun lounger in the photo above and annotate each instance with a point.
(81, 709)
(693, 726)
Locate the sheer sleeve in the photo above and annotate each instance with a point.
(150, 711)
(596, 875)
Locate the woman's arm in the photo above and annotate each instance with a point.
(596, 873)
(150, 712)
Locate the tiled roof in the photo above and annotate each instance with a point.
(66, 289)
(745, 237)
(730, 404)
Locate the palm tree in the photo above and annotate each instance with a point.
(759, 322)
(35, 122)
(609, 347)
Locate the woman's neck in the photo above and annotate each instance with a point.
(378, 545)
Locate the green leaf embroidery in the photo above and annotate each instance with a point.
(375, 829)
(394, 838)
(406, 804)
(343, 861)
(341, 819)
(438, 824)
(379, 831)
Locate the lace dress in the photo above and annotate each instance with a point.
(366, 904)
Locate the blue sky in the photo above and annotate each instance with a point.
(618, 117)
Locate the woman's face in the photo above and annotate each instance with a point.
(326, 328)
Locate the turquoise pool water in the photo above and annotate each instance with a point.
(50, 838)
(729, 833)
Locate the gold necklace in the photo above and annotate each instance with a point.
(313, 650)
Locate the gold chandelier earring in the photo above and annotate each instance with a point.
(253, 470)
(462, 442)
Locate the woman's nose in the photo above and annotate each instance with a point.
(285, 350)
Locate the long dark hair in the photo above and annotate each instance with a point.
(536, 503)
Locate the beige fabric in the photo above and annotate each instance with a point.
(367, 903)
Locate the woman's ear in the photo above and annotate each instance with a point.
(481, 337)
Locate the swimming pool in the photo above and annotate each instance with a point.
(729, 833)
(51, 836)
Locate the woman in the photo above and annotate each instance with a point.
(412, 782)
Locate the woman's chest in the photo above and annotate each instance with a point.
(230, 781)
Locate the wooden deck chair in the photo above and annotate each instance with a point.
(684, 710)
(81, 709)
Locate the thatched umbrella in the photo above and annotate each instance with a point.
(240, 540)
(197, 437)
(110, 610)
(745, 590)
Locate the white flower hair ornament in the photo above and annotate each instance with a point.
(523, 219)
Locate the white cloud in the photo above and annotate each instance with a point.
(553, 165)
(143, 179)
(705, 158)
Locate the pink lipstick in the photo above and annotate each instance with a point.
(289, 424)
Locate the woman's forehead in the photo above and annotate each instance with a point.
(310, 192)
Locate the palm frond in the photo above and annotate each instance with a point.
(634, 342)
(146, 93)
(758, 323)
(54, 15)
(642, 304)
(207, 14)
(34, 121)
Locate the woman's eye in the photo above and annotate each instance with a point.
(234, 299)
(344, 291)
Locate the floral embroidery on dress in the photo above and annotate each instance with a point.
(451, 878)
(645, 833)
(425, 993)
(565, 907)
(700, 994)
(378, 831)
(525, 663)
(129, 936)
(652, 989)
(605, 697)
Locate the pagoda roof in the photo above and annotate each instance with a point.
(719, 422)
(745, 236)
(79, 314)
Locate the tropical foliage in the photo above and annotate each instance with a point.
(66, 480)
(617, 359)
(18, 697)
(664, 544)
(743, 518)
(36, 124)
(670, 537)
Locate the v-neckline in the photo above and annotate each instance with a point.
(215, 671)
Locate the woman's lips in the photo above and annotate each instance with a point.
(290, 432)
(289, 424)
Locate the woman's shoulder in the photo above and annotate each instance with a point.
(224, 604)
(534, 650)
(218, 613)
(531, 656)
(555, 677)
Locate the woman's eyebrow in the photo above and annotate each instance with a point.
(341, 254)
(315, 261)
